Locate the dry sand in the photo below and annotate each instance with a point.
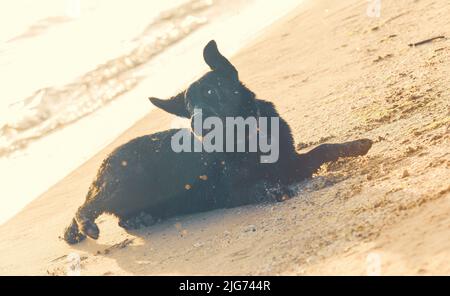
(335, 75)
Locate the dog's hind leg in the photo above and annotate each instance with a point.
(82, 225)
(85, 218)
(84, 222)
(324, 153)
(72, 234)
(142, 219)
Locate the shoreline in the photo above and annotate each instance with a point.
(334, 75)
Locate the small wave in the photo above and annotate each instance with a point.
(50, 108)
(40, 26)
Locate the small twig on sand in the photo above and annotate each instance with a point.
(426, 41)
(59, 258)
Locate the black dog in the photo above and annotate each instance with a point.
(145, 179)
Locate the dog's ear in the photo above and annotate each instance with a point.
(174, 105)
(217, 62)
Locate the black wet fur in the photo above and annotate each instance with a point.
(144, 180)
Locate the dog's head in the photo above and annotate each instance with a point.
(217, 93)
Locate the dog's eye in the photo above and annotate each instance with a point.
(210, 92)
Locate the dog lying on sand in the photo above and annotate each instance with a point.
(145, 180)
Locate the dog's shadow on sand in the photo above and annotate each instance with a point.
(146, 250)
(153, 249)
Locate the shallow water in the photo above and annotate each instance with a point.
(83, 62)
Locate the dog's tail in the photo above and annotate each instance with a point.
(72, 234)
